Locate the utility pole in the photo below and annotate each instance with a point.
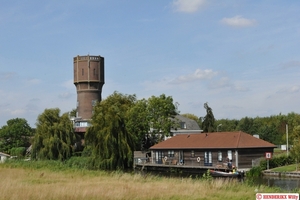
(287, 139)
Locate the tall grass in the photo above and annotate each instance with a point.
(55, 180)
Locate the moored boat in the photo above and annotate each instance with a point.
(236, 174)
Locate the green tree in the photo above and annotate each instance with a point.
(138, 125)
(295, 151)
(111, 143)
(161, 110)
(208, 123)
(73, 113)
(227, 124)
(15, 134)
(54, 136)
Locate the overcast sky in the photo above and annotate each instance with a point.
(242, 57)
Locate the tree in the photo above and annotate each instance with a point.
(161, 110)
(295, 151)
(138, 125)
(208, 123)
(73, 113)
(15, 134)
(54, 136)
(111, 143)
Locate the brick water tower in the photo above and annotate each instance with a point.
(88, 79)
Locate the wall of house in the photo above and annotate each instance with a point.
(246, 158)
(192, 157)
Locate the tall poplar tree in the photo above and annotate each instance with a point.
(209, 120)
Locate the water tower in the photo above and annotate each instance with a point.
(88, 80)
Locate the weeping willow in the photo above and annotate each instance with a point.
(111, 143)
(54, 136)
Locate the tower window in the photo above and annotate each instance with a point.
(82, 72)
(94, 71)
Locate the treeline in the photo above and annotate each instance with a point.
(122, 124)
(272, 129)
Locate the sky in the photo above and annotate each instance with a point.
(242, 57)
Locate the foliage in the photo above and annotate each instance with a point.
(111, 143)
(160, 111)
(18, 151)
(277, 161)
(15, 134)
(54, 136)
(207, 176)
(295, 151)
(73, 112)
(208, 123)
(138, 124)
(78, 162)
(122, 124)
(254, 172)
(271, 129)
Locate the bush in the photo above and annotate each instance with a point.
(254, 172)
(18, 151)
(278, 161)
(78, 162)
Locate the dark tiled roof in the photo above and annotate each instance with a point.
(216, 140)
(190, 123)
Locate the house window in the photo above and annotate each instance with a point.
(229, 154)
(159, 155)
(182, 125)
(207, 158)
(170, 154)
(192, 153)
(220, 159)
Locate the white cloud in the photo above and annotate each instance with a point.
(226, 83)
(290, 89)
(188, 6)
(197, 75)
(7, 76)
(238, 21)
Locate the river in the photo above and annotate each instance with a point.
(288, 184)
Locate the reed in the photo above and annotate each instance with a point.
(32, 183)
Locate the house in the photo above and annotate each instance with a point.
(211, 149)
(3, 157)
(185, 126)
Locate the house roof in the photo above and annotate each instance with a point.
(190, 123)
(4, 154)
(215, 140)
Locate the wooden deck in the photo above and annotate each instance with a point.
(167, 167)
(194, 170)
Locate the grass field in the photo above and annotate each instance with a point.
(42, 182)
